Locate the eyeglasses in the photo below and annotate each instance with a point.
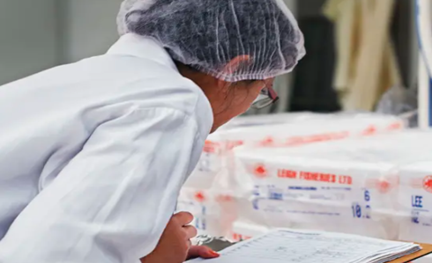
(267, 97)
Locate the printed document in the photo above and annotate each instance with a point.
(291, 246)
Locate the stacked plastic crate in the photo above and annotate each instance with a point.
(211, 193)
(379, 186)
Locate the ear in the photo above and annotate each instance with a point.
(233, 66)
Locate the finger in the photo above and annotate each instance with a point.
(189, 244)
(191, 231)
(202, 252)
(184, 218)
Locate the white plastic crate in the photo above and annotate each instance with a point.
(214, 175)
(214, 212)
(283, 130)
(379, 186)
(415, 199)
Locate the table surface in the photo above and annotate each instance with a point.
(426, 250)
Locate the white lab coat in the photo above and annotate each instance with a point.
(93, 156)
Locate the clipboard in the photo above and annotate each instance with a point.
(426, 250)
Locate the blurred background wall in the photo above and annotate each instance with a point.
(89, 27)
(35, 35)
(28, 37)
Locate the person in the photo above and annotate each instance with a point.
(93, 154)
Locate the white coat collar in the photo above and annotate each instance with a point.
(142, 47)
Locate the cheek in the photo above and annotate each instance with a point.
(239, 101)
(252, 95)
(245, 100)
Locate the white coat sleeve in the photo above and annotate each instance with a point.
(112, 202)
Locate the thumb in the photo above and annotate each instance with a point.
(201, 252)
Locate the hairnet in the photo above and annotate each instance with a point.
(208, 35)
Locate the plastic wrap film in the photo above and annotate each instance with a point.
(379, 186)
(402, 102)
(243, 231)
(210, 193)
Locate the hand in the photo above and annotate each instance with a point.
(175, 242)
(201, 252)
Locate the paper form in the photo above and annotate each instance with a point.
(286, 246)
